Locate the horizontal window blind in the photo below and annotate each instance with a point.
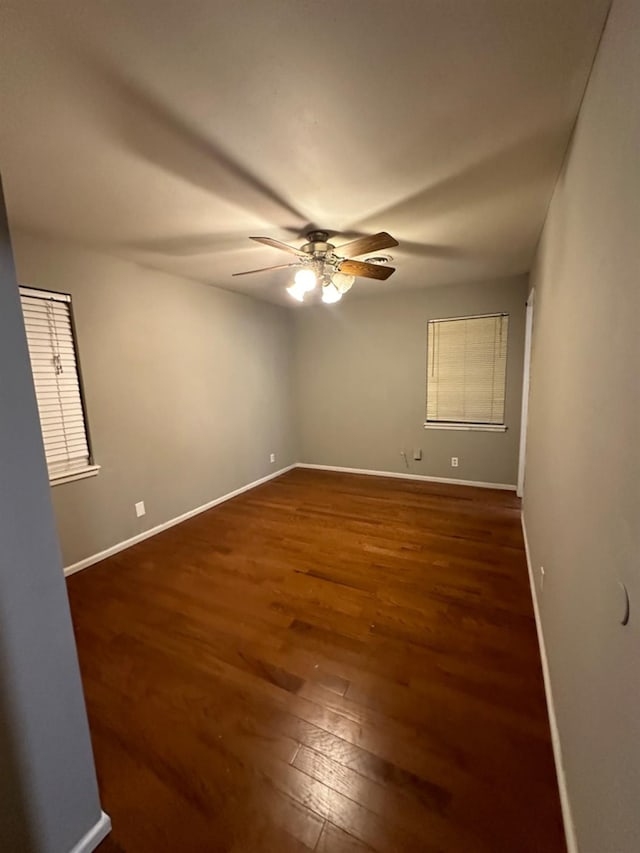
(466, 369)
(47, 318)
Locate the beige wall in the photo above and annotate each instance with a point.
(582, 482)
(187, 388)
(361, 382)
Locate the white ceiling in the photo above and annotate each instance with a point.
(168, 132)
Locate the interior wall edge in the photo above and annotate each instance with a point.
(94, 836)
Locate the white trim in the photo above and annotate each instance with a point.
(96, 834)
(36, 293)
(569, 829)
(467, 317)
(504, 486)
(470, 427)
(82, 474)
(526, 375)
(121, 546)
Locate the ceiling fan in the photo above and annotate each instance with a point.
(319, 261)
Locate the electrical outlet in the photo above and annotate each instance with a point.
(454, 461)
(272, 458)
(541, 577)
(140, 510)
(417, 454)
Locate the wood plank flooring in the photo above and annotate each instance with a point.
(329, 662)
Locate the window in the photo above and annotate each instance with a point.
(52, 349)
(466, 372)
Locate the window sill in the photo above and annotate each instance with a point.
(82, 474)
(469, 427)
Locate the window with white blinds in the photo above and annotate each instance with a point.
(47, 318)
(466, 371)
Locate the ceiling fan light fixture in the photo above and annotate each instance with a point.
(297, 291)
(342, 281)
(333, 268)
(330, 294)
(305, 279)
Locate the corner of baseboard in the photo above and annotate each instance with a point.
(565, 803)
(94, 836)
(147, 534)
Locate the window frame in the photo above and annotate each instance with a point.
(466, 425)
(91, 469)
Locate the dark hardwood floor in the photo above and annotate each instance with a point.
(328, 662)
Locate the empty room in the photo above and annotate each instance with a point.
(319, 418)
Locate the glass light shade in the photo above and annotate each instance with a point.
(297, 291)
(306, 279)
(330, 293)
(342, 281)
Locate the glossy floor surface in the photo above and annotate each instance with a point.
(329, 662)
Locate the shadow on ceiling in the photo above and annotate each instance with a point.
(153, 131)
(505, 173)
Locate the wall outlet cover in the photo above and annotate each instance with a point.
(272, 458)
(454, 461)
(140, 510)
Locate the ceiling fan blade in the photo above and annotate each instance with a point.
(266, 269)
(278, 244)
(364, 270)
(367, 245)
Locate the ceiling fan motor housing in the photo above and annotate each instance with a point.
(317, 243)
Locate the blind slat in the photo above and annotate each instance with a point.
(466, 370)
(55, 375)
(64, 454)
(76, 437)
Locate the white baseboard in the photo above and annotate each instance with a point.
(504, 486)
(146, 534)
(569, 829)
(140, 537)
(96, 834)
